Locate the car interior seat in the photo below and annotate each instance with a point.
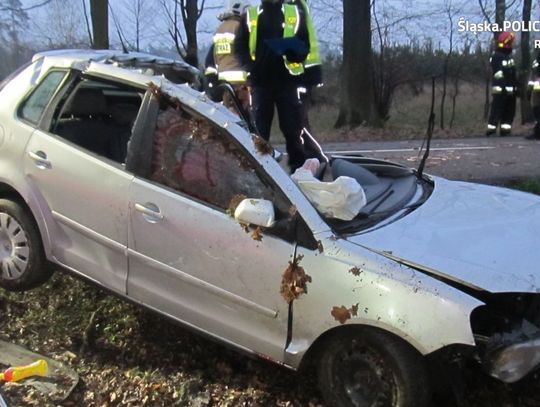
(86, 122)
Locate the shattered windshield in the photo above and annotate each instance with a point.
(388, 190)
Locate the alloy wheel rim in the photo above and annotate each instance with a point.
(14, 248)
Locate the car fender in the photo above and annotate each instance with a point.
(353, 286)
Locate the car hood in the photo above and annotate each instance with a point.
(481, 236)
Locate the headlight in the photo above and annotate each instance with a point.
(515, 361)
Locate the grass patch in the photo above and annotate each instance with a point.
(531, 185)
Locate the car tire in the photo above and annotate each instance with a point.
(367, 367)
(22, 260)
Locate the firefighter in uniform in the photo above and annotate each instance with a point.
(534, 86)
(312, 78)
(274, 72)
(222, 63)
(503, 86)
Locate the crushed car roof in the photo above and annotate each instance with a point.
(175, 70)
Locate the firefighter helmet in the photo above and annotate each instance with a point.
(505, 40)
(237, 7)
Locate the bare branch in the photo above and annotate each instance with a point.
(87, 20)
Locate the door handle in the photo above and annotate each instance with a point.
(149, 211)
(41, 159)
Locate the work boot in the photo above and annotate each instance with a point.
(491, 130)
(506, 130)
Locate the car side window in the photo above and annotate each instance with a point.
(98, 116)
(36, 103)
(197, 158)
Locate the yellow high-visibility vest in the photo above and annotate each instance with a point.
(291, 18)
(314, 56)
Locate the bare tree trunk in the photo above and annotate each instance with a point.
(87, 21)
(486, 94)
(356, 106)
(454, 97)
(190, 15)
(500, 12)
(138, 12)
(525, 69)
(99, 10)
(445, 68)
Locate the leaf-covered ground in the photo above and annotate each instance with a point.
(126, 356)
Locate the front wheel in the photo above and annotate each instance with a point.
(22, 262)
(367, 367)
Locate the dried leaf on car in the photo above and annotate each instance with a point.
(257, 234)
(342, 313)
(294, 281)
(355, 271)
(262, 146)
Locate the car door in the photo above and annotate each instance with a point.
(82, 187)
(188, 257)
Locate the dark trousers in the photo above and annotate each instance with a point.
(284, 97)
(503, 109)
(312, 148)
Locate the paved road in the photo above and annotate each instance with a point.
(486, 160)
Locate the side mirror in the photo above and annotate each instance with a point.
(258, 212)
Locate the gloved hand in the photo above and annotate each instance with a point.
(294, 56)
(211, 79)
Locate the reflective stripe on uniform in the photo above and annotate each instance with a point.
(314, 56)
(509, 89)
(210, 70)
(491, 127)
(506, 127)
(535, 64)
(233, 76)
(496, 89)
(252, 16)
(534, 85)
(498, 75)
(291, 17)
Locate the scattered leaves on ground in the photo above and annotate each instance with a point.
(135, 357)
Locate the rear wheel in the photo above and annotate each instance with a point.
(22, 261)
(370, 368)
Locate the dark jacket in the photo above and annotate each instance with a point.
(503, 69)
(269, 69)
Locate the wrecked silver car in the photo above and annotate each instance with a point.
(114, 168)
